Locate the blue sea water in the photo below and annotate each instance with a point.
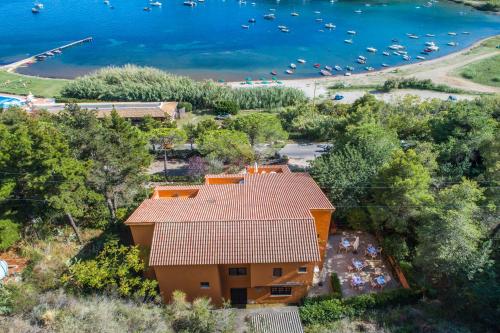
(207, 41)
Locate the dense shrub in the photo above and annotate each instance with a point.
(223, 107)
(117, 268)
(9, 234)
(415, 83)
(185, 105)
(323, 312)
(325, 309)
(132, 83)
(336, 286)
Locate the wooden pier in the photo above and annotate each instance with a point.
(13, 66)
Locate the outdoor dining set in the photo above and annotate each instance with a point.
(357, 266)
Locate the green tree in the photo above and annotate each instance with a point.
(116, 268)
(226, 145)
(167, 138)
(223, 107)
(260, 127)
(9, 234)
(450, 238)
(399, 192)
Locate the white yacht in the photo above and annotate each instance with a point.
(301, 61)
(293, 66)
(371, 49)
(156, 4)
(386, 53)
(330, 26)
(348, 41)
(351, 32)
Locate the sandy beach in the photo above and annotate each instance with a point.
(439, 70)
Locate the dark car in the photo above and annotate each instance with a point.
(338, 97)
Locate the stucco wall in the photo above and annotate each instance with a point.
(188, 279)
(322, 219)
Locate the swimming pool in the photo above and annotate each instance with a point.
(7, 102)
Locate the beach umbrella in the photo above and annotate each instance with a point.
(274, 78)
(248, 78)
(221, 81)
(249, 82)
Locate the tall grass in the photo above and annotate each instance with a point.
(132, 83)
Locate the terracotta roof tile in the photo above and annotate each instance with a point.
(234, 242)
(259, 197)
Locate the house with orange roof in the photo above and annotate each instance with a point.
(249, 238)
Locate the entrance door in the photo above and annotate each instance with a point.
(238, 296)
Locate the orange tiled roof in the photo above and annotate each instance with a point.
(234, 242)
(259, 197)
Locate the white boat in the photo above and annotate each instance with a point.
(49, 54)
(385, 65)
(269, 17)
(252, 20)
(371, 49)
(328, 68)
(319, 20)
(358, 11)
(452, 43)
(190, 3)
(421, 57)
(201, 0)
(245, 26)
(106, 2)
(430, 35)
(39, 5)
(452, 33)
(281, 27)
(289, 71)
(362, 58)
(156, 4)
(330, 26)
(386, 53)
(294, 14)
(406, 57)
(349, 68)
(324, 72)
(35, 10)
(347, 73)
(361, 61)
(369, 68)
(433, 48)
(351, 32)
(338, 68)
(301, 61)
(317, 12)
(429, 43)
(413, 36)
(293, 66)
(272, 9)
(285, 30)
(396, 47)
(348, 41)
(465, 33)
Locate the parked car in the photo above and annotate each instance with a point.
(338, 97)
(452, 98)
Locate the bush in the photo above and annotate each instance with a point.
(329, 308)
(336, 286)
(132, 83)
(9, 234)
(186, 105)
(415, 83)
(226, 107)
(323, 312)
(116, 268)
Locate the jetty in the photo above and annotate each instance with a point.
(15, 65)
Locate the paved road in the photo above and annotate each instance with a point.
(300, 153)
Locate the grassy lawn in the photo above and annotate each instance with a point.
(486, 71)
(18, 84)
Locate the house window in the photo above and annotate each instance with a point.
(204, 285)
(281, 291)
(277, 272)
(303, 269)
(238, 271)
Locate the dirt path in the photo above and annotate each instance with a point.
(440, 70)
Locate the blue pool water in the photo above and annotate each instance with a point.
(6, 102)
(208, 41)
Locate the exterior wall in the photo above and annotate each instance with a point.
(229, 281)
(142, 234)
(187, 279)
(168, 194)
(322, 219)
(221, 180)
(262, 279)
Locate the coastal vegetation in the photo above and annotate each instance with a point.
(18, 84)
(487, 5)
(132, 83)
(414, 83)
(486, 71)
(415, 172)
